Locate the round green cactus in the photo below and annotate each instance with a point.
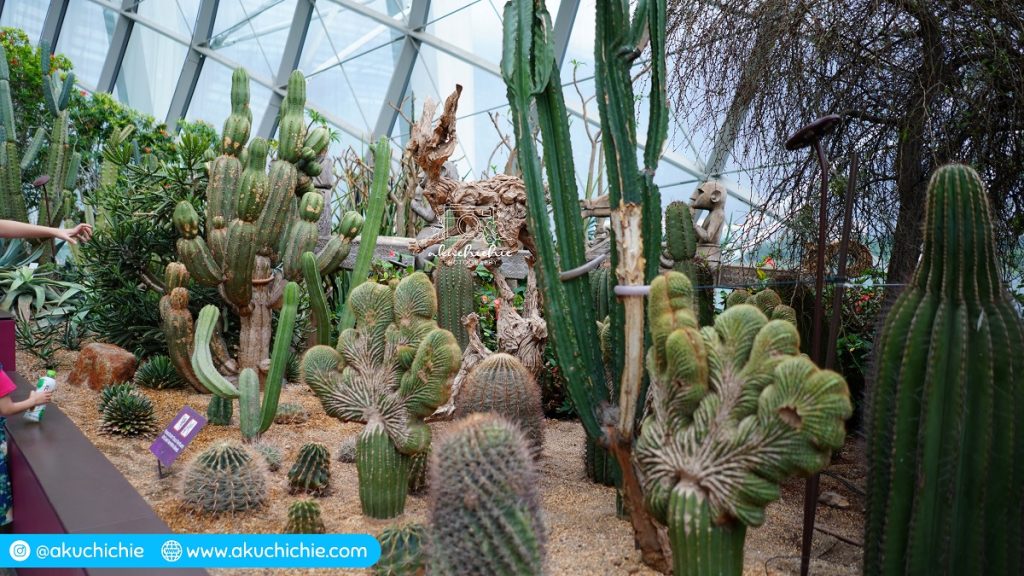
(402, 551)
(304, 518)
(311, 472)
(224, 478)
(501, 384)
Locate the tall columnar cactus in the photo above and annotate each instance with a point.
(681, 247)
(945, 433)
(501, 384)
(734, 410)
(483, 482)
(224, 478)
(455, 296)
(12, 201)
(62, 162)
(255, 231)
(255, 416)
(311, 472)
(390, 372)
(304, 518)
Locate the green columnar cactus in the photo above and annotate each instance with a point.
(224, 478)
(681, 246)
(418, 467)
(501, 384)
(321, 316)
(311, 472)
(61, 160)
(455, 293)
(219, 411)
(158, 373)
(304, 518)
(250, 240)
(12, 201)
(390, 371)
(255, 416)
(483, 482)
(735, 409)
(945, 441)
(598, 462)
(402, 551)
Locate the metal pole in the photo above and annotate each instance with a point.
(844, 244)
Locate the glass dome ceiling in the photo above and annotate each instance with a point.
(369, 66)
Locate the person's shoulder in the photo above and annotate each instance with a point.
(6, 384)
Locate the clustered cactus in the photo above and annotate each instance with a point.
(501, 384)
(304, 518)
(734, 410)
(945, 436)
(402, 551)
(767, 301)
(126, 411)
(483, 483)
(158, 373)
(224, 478)
(390, 371)
(311, 473)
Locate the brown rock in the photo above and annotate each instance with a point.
(100, 365)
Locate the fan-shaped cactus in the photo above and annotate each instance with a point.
(114, 391)
(219, 411)
(501, 384)
(735, 409)
(390, 371)
(159, 374)
(945, 434)
(290, 413)
(311, 472)
(483, 482)
(128, 414)
(402, 551)
(304, 518)
(224, 478)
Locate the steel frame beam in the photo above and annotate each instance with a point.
(564, 21)
(53, 23)
(193, 65)
(289, 61)
(402, 74)
(118, 46)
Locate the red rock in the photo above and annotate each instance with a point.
(100, 365)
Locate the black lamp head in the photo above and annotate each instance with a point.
(811, 133)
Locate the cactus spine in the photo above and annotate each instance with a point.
(304, 518)
(735, 410)
(945, 441)
(311, 472)
(483, 482)
(224, 478)
(390, 371)
(501, 384)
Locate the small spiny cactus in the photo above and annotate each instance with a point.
(767, 301)
(304, 518)
(159, 374)
(270, 453)
(347, 450)
(311, 472)
(224, 478)
(501, 384)
(418, 467)
(402, 551)
(219, 411)
(291, 413)
(128, 414)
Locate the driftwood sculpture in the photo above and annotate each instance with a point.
(499, 201)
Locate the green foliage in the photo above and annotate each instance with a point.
(224, 478)
(304, 518)
(23, 61)
(402, 551)
(128, 414)
(158, 373)
(39, 293)
(38, 340)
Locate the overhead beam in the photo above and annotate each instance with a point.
(564, 22)
(118, 46)
(289, 61)
(53, 22)
(404, 64)
(193, 65)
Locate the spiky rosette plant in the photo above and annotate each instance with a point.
(735, 410)
(224, 478)
(158, 373)
(483, 482)
(402, 551)
(113, 391)
(945, 427)
(311, 472)
(128, 414)
(390, 372)
(501, 384)
(304, 518)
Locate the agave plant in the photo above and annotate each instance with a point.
(29, 289)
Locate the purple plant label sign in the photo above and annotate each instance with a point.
(178, 434)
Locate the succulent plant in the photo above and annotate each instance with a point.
(158, 373)
(293, 367)
(270, 453)
(304, 518)
(128, 414)
(291, 413)
(219, 411)
(402, 551)
(455, 293)
(483, 482)
(390, 371)
(501, 384)
(347, 450)
(734, 410)
(311, 472)
(419, 465)
(109, 393)
(767, 301)
(224, 478)
(945, 441)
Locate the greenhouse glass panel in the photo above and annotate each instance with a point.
(253, 33)
(25, 14)
(212, 100)
(336, 35)
(86, 35)
(178, 16)
(150, 71)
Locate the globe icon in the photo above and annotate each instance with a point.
(171, 551)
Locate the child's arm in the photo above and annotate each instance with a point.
(14, 229)
(9, 407)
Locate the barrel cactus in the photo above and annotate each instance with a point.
(390, 372)
(224, 478)
(291, 413)
(734, 410)
(501, 384)
(304, 518)
(311, 472)
(219, 411)
(945, 442)
(402, 551)
(158, 373)
(270, 453)
(483, 482)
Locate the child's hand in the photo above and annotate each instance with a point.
(38, 397)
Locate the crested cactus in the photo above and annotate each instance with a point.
(402, 551)
(501, 384)
(219, 411)
(483, 482)
(249, 242)
(224, 478)
(735, 410)
(945, 442)
(311, 472)
(390, 372)
(304, 518)
(159, 374)
(767, 301)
